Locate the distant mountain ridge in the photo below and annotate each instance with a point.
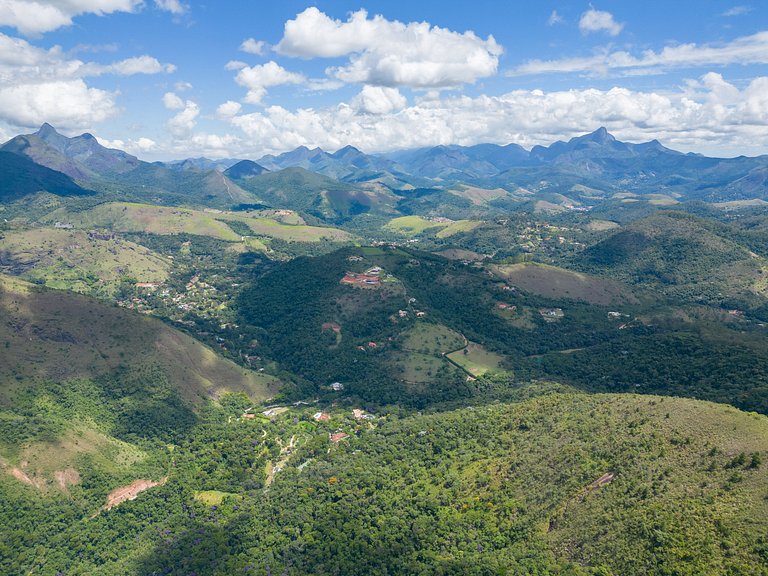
(588, 168)
(84, 160)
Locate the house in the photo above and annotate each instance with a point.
(372, 345)
(338, 437)
(147, 285)
(402, 313)
(420, 314)
(337, 386)
(354, 259)
(63, 225)
(375, 271)
(321, 416)
(358, 413)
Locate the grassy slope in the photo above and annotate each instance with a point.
(69, 259)
(554, 282)
(130, 217)
(415, 225)
(90, 393)
(681, 256)
(58, 336)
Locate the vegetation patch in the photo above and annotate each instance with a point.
(553, 282)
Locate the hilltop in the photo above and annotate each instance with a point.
(558, 483)
(103, 370)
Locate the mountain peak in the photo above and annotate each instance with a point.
(600, 136)
(47, 132)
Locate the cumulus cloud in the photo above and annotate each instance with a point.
(172, 6)
(65, 103)
(390, 53)
(258, 78)
(744, 50)
(379, 100)
(252, 46)
(172, 102)
(28, 71)
(599, 21)
(710, 114)
(138, 146)
(183, 123)
(33, 17)
(228, 109)
(182, 86)
(131, 66)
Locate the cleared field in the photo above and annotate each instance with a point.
(602, 225)
(477, 360)
(415, 225)
(212, 497)
(411, 225)
(435, 339)
(457, 227)
(417, 368)
(69, 259)
(554, 282)
(479, 196)
(131, 217)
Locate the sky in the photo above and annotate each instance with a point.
(172, 79)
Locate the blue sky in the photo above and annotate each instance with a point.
(170, 79)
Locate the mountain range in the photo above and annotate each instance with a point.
(585, 170)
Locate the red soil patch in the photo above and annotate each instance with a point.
(354, 279)
(338, 437)
(19, 475)
(331, 326)
(130, 492)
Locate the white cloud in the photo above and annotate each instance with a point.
(745, 50)
(390, 53)
(172, 6)
(235, 65)
(737, 11)
(131, 66)
(599, 21)
(711, 114)
(252, 46)
(33, 17)
(183, 123)
(64, 103)
(172, 102)
(258, 78)
(554, 18)
(379, 100)
(32, 72)
(138, 146)
(228, 109)
(182, 86)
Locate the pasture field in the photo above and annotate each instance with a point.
(132, 217)
(477, 360)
